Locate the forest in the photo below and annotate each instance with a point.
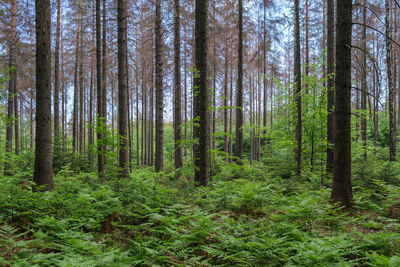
(199, 133)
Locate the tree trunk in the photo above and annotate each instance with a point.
(100, 158)
(297, 80)
(91, 94)
(75, 130)
(364, 82)
(200, 96)
(331, 86)
(159, 92)
(81, 100)
(43, 172)
(178, 91)
(56, 96)
(11, 88)
(392, 116)
(122, 91)
(341, 185)
(239, 96)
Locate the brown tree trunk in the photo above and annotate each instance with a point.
(297, 80)
(364, 82)
(331, 86)
(43, 172)
(16, 116)
(392, 116)
(239, 96)
(159, 92)
(100, 158)
(178, 91)
(81, 100)
(341, 185)
(56, 97)
(75, 130)
(11, 88)
(200, 97)
(122, 91)
(225, 99)
(91, 94)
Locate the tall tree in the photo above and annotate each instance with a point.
(56, 97)
(341, 185)
(43, 171)
(297, 80)
(392, 116)
(364, 81)
(159, 92)
(330, 85)
(178, 89)
(200, 96)
(239, 96)
(122, 90)
(11, 85)
(100, 158)
(75, 129)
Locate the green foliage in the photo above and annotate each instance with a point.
(246, 217)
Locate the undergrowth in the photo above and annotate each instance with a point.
(244, 218)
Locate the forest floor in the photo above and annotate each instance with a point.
(243, 218)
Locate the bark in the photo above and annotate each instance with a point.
(330, 86)
(11, 88)
(75, 130)
(122, 91)
(297, 80)
(91, 94)
(100, 158)
(159, 92)
(265, 100)
(341, 184)
(364, 83)
(392, 116)
(16, 116)
(178, 91)
(239, 96)
(81, 100)
(43, 173)
(200, 97)
(56, 97)
(226, 144)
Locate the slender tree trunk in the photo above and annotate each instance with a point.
(178, 91)
(11, 88)
(265, 100)
(100, 157)
(331, 86)
(81, 100)
(159, 92)
(200, 97)
(56, 97)
(225, 99)
(43, 172)
(75, 130)
(91, 94)
(364, 83)
(239, 96)
(392, 116)
(297, 79)
(16, 116)
(341, 185)
(122, 91)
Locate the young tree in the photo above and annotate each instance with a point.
(200, 96)
(159, 92)
(297, 80)
(341, 184)
(122, 90)
(43, 171)
(239, 96)
(177, 89)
